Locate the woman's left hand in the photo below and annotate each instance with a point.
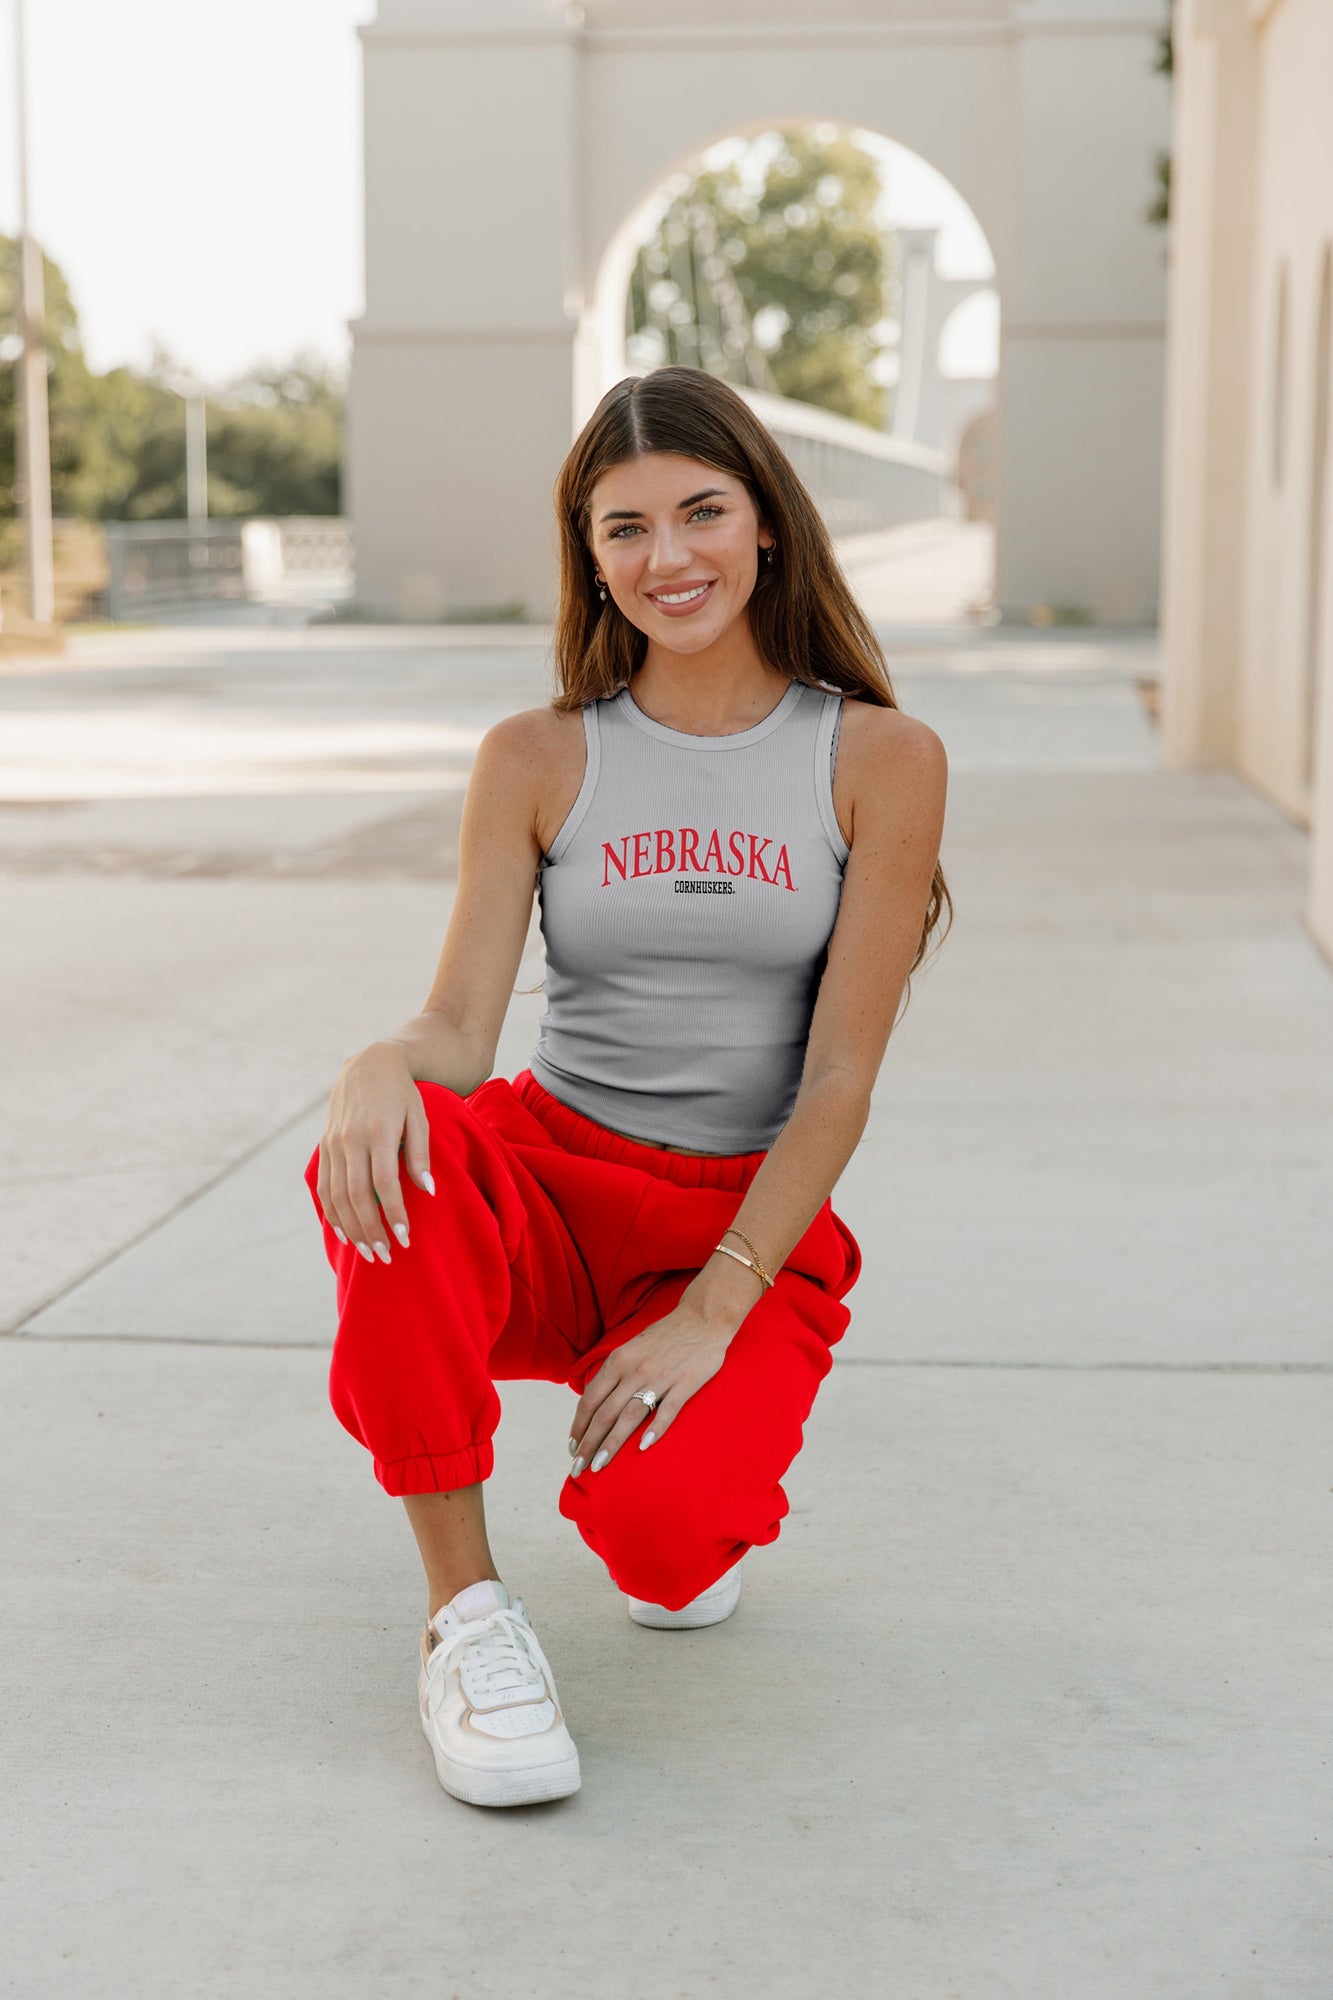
(675, 1356)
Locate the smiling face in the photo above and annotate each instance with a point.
(679, 545)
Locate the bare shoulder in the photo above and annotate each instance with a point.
(887, 761)
(528, 732)
(871, 731)
(535, 758)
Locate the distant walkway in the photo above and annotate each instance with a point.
(926, 573)
(1028, 1701)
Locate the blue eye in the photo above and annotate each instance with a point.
(617, 534)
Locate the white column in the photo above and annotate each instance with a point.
(1082, 316)
(463, 363)
(1208, 376)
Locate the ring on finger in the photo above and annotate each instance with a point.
(648, 1397)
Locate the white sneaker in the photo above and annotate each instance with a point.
(710, 1607)
(488, 1703)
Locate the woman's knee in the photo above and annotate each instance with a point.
(462, 1146)
(447, 1117)
(658, 1518)
(452, 1123)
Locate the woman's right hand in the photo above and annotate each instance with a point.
(374, 1109)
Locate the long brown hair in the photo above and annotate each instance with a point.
(802, 613)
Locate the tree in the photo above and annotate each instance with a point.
(774, 271)
(70, 391)
(275, 440)
(118, 440)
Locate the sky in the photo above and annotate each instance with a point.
(195, 170)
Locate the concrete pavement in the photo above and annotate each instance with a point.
(1028, 1699)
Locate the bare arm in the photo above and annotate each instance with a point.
(898, 778)
(899, 783)
(453, 1039)
(375, 1108)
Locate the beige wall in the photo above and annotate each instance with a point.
(508, 143)
(1248, 524)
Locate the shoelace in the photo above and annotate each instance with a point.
(506, 1656)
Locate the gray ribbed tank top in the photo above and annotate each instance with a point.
(686, 906)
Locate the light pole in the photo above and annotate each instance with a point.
(196, 457)
(34, 436)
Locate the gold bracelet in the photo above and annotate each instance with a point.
(751, 1262)
(764, 1280)
(758, 1265)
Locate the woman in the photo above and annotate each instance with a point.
(737, 871)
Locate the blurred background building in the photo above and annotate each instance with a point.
(1037, 294)
(516, 153)
(1247, 627)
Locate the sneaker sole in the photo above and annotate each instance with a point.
(688, 1619)
(527, 1785)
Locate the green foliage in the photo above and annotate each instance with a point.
(274, 441)
(68, 377)
(1061, 614)
(1165, 59)
(1158, 211)
(118, 440)
(796, 247)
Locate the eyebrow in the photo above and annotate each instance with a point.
(636, 514)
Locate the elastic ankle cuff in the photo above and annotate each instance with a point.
(436, 1472)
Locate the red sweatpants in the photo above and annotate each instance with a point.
(548, 1242)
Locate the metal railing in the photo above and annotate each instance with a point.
(158, 566)
(860, 479)
(316, 548)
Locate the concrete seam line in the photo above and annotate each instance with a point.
(166, 1340)
(1099, 1367)
(160, 1222)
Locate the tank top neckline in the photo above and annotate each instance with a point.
(685, 739)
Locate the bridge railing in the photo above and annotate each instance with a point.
(860, 479)
(156, 566)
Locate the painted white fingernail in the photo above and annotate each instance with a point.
(576, 1468)
(366, 1252)
(646, 1440)
(428, 1182)
(337, 1232)
(600, 1460)
(400, 1231)
(382, 1252)
(573, 1446)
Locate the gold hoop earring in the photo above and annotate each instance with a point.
(770, 552)
(602, 588)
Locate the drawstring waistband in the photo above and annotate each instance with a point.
(578, 1134)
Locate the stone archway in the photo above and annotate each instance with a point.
(930, 412)
(508, 140)
(603, 343)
